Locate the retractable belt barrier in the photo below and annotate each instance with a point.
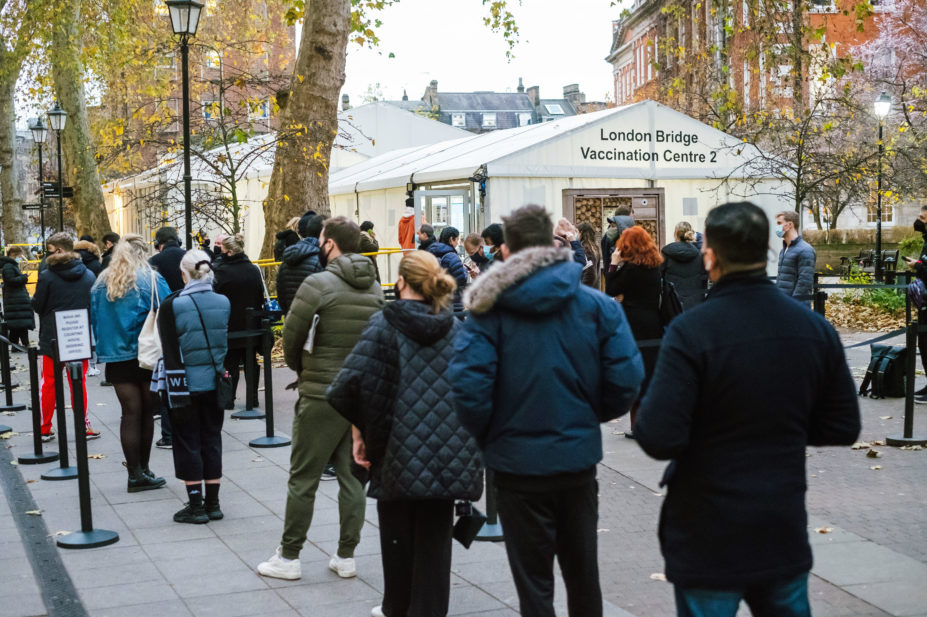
(64, 471)
(5, 372)
(249, 337)
(38, 456)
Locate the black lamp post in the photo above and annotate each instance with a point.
(57, 118)
(39, 133)
(185, 17)
(882, 105)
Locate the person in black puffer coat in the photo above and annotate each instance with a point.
(89, 255)
(240, 281)
(167, 261)
(393, 388)
(17, 306)
(300, 260)
(683, 267)
(286, 238)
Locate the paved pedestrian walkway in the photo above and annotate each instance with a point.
(871, 562)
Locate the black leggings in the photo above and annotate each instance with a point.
(19, 336)
(197, 442)
(136, 429)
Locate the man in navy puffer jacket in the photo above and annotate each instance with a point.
(541, 362)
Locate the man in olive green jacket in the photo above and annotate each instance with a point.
(343, 297)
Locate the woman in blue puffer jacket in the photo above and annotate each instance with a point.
(120, 300)
(193, 324)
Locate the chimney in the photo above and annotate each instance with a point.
(405, 96)
(521, 86)
(534, 95)
(345, 102)
(572, 94)
(431, 94)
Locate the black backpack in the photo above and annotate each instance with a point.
(670, 304)
(885, 374)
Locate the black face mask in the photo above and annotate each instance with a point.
(920, 226)
(323, 257)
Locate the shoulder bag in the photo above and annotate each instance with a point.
(225, 393)
(149, 340)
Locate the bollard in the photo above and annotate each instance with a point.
(492, 528)
(5, 374)
(908, 438)
(38, 456)
(64, 471)
(87, 537)
(269, 440)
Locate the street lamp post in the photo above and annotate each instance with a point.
(57, 118)
(185, 17)
(882, 105)
(39, 133)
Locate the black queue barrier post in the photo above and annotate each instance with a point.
(269, 440)
(38, 456)
(908, 438)
(64, 471)
(87, 537)
(249, 412)
(5, 373)
(492, 528)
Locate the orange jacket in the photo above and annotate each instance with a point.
(407, 232)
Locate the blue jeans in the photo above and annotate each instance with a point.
(781, 599)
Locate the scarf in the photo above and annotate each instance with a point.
(172, 376)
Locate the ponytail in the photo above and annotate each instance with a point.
(424, 274)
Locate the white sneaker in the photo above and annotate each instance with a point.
(377, 611)
(344, 568)
(93, 371)
(276, 567)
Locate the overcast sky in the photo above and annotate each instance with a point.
(560, 43)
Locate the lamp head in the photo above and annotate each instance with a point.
(883, 105)
(57, 117)
(185, 15)
(39, 131)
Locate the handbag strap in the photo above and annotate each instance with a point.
(263, 282)
(154, 289)
(205, 332)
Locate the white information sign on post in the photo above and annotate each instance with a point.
(73, 329)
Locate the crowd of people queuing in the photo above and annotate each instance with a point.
(412, 401)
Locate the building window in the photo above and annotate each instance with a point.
(258, 110)
(212, 7)
(459, 120)
(888, 213)
(882, 5)
(160, 8)
(489, 121)
(213, 60)
(211, 109)
(524, 119)
(554, 109)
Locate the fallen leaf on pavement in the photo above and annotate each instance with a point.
(873, 453)
(880, 442)
(257, 460)
(617, 432)
(658, 576)
(912, 447)
(34, 512)
(14, 462)
(876, 468)
(101, 404)
(8, 434)
(9, 413)
(859, 445)
(885, 417)
(823, 529)
(30, 481)
(96, 456)
(602, 530)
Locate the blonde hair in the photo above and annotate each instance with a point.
(684, 232)
(423, 273)
(193, 264)
(293, 224)
(472, 241)
(235, 244)
(129, 256)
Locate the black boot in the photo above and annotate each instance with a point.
(191, 514)
(212, 502)
(151, 476)
(139, 481)
(213, 511)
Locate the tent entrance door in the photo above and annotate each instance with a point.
(594, 206)
(443, 208)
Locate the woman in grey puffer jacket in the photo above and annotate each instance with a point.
(195, 319)
(394, 388)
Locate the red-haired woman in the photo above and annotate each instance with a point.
(633, 278)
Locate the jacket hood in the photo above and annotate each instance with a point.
(235, 259)
(286, 233)
(535, 281)
(66, 265)
(90, 247)
(354, 269)
(7, 260)
(681, 251)
(439, 249)
(416, 320)
(304, 249)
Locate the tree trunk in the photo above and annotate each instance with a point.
(309, 121)
(10, 186)
(81, 168)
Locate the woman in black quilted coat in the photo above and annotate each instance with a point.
(17, 306)
(394, 388)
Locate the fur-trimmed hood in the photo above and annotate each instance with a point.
(536, 280)
(90, 247)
